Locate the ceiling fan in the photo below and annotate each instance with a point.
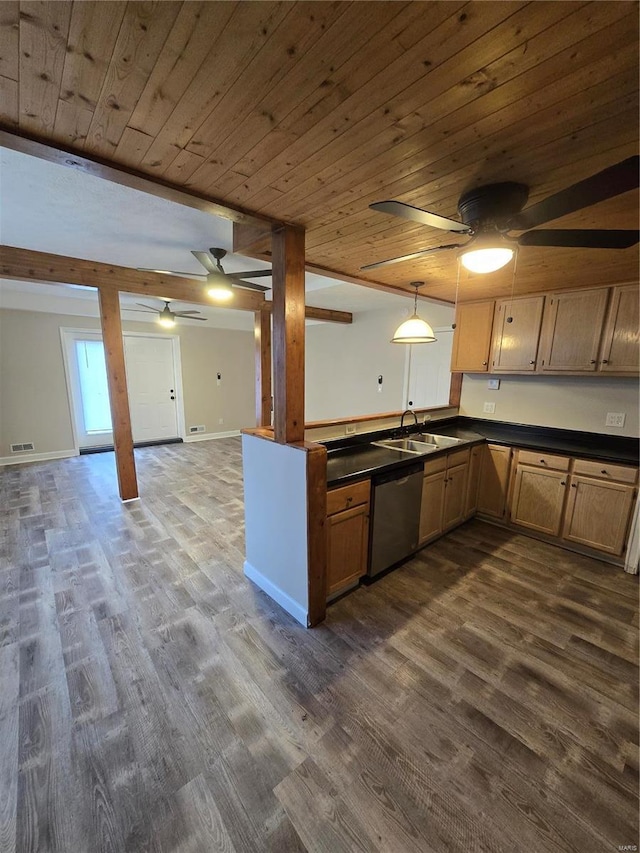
(167, 317)
(489, 212)
(218, 282)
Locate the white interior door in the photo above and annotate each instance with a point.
(153, 377)
(152, 388)
(428, 371)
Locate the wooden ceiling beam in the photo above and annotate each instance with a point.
(45, 268)
(27, 265)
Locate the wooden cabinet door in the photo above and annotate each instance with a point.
(598, 514)
(431, 506)
(572, 330)
(473, 479)
(494, 480)
(516, 333)
(538, 499)
(455, 493)
(621, 341)
(472, 337)
(347, 547)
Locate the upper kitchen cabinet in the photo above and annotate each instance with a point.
(621, 339)
(572, 330)
(516, 334)
(472, 337)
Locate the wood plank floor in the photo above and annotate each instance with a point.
(481, 698)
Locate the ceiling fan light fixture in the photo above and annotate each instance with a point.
(415, 330)
(488, 259)
(220, 290)
(167, 322)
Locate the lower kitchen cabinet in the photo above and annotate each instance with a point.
(347, 535)
(598, 514)
(454, 496)
(444, 493)
(538, 499)
(431, 505)
(494, 480)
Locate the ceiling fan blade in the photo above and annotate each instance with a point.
(188, 316)
(583, 239)
(185, 313)
(250, 274)
(416, 214)
(205, 260)
(173, 272)
(249, 285)
(610, 182)
(148, 307)
(411, 257)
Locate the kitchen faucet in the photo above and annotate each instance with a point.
(408, 412)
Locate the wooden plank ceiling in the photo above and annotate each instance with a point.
(308, 112)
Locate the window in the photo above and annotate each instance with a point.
(92, 373)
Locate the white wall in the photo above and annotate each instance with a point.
(275, 506)
(343, 363)
(567, 402)
(34, 404)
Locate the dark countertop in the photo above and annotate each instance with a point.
(357, 459)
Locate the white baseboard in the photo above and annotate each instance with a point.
(208, 436)
(20, 459)
(285, 601)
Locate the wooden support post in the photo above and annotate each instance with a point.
(317, 533)
(262, 333)
(288, 334)
(118, 398)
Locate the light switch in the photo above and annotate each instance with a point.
(493, 384)
(489, 408)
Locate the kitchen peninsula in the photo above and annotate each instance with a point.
(574, 489)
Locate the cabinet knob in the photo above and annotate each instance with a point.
(543, 462)
(563, 482)
(573, 486)
(593, 361)
(605, 361)
(604, 471)
(484, 363)
(349, 500)
(532, 362)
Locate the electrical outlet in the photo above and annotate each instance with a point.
(615, 419)
(349, 429)
(489, 408)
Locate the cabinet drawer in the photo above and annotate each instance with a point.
(348, 496)
(544, 460)
(605, 471)
(458, 457)
(434, 466)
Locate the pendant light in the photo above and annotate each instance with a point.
(414, 330)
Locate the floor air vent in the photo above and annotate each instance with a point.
(17, 448)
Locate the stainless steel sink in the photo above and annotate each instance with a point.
(439, 440)
(408, 445)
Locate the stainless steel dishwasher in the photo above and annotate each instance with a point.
(395, 516)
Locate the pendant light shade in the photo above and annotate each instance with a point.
(415, 330)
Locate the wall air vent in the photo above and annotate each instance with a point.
(196, 428)
(19, 448)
